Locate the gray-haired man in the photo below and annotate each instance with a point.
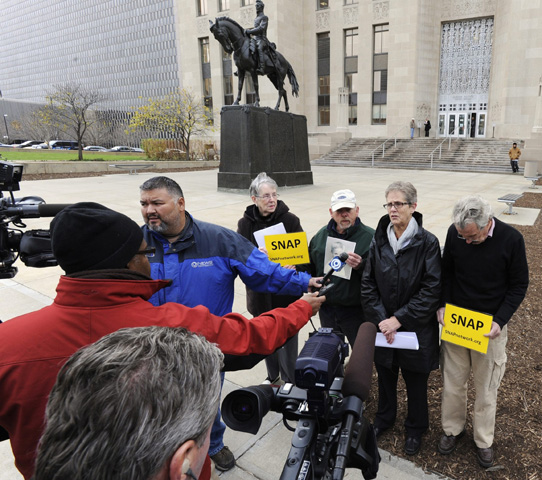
(484, 268)
(137, 404)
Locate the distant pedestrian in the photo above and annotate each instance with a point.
(427, 126)
(412, 127)
(514, 153)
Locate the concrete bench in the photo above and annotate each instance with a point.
(510, 199)
(534, 180)
(133, 167)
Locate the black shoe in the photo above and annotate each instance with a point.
(413, 445)
(485, 457)
(448, 443)
(224, 460)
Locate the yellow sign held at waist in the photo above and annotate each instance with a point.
(466, 328)
(288, 248)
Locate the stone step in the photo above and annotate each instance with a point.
(463, 155)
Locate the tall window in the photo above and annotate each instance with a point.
(380, 73)
(323, 78)
(227, 77)
(202, 7)
(351, 73)
(206, 75)
(350, 2)
(321, 4)
(245, 3)
(223, 5)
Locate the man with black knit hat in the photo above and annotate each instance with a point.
(106, 288)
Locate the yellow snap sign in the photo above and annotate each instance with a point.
(466, 328)
(288, 248)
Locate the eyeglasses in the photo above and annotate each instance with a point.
(148, 252)
(472, 238)
(396, 205)
(268, 197)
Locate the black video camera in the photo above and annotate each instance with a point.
(33, 246)
(331, 432)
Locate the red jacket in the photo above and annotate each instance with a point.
(33, 347)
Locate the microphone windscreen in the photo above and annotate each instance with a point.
(51, 209)
(343, 257)
(359, 372)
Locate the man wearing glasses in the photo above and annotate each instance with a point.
(203, 260)
(343, 309)
(484, 268)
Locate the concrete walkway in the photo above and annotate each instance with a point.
(261, 456)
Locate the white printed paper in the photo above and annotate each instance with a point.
(273, 230)
(404, 340)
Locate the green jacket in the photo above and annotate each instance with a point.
(346, 293)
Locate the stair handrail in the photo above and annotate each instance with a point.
(439, 146)
(383, 145)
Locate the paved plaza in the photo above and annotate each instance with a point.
(261, 456)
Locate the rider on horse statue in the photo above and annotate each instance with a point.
(259, 36)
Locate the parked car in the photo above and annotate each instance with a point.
(63, 145)
(95, 148)
(40, 145)
(26, 144)
(120, 148)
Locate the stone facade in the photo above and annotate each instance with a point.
(414, 56)
(138, 52)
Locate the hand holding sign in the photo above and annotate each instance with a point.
(467, 328)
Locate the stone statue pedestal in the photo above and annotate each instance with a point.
(255, 139)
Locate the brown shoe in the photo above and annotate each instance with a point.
(448, 443)
(485, 457)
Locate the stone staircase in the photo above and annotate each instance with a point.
(464, 154)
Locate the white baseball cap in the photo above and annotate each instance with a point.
(343, 199)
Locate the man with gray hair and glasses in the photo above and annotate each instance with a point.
(484, 268)
(136, 405)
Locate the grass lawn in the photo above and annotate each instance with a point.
(38, 155)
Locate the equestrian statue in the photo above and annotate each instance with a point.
(253, 53)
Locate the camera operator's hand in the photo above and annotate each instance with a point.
(314, 301)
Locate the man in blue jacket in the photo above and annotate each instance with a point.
(203, 260)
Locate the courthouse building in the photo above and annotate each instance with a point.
(472, 67)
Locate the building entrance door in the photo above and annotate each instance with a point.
(472, 124)
(465, 62)
(453, 124)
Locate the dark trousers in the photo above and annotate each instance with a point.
(344, 319)
(515, 166)
(417, 420)
(282, 361)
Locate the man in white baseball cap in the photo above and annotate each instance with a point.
(342, 310)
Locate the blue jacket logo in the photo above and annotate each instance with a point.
(208, 263)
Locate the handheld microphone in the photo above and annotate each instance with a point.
(358, 376)
(337, 263)
(355, 389)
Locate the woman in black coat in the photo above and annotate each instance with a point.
(400, 292)
(266, 211)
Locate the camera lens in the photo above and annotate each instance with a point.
(245, 408)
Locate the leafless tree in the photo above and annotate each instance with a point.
(69, 109)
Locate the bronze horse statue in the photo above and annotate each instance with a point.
(233, 38)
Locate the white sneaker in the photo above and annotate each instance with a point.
(271, 382)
